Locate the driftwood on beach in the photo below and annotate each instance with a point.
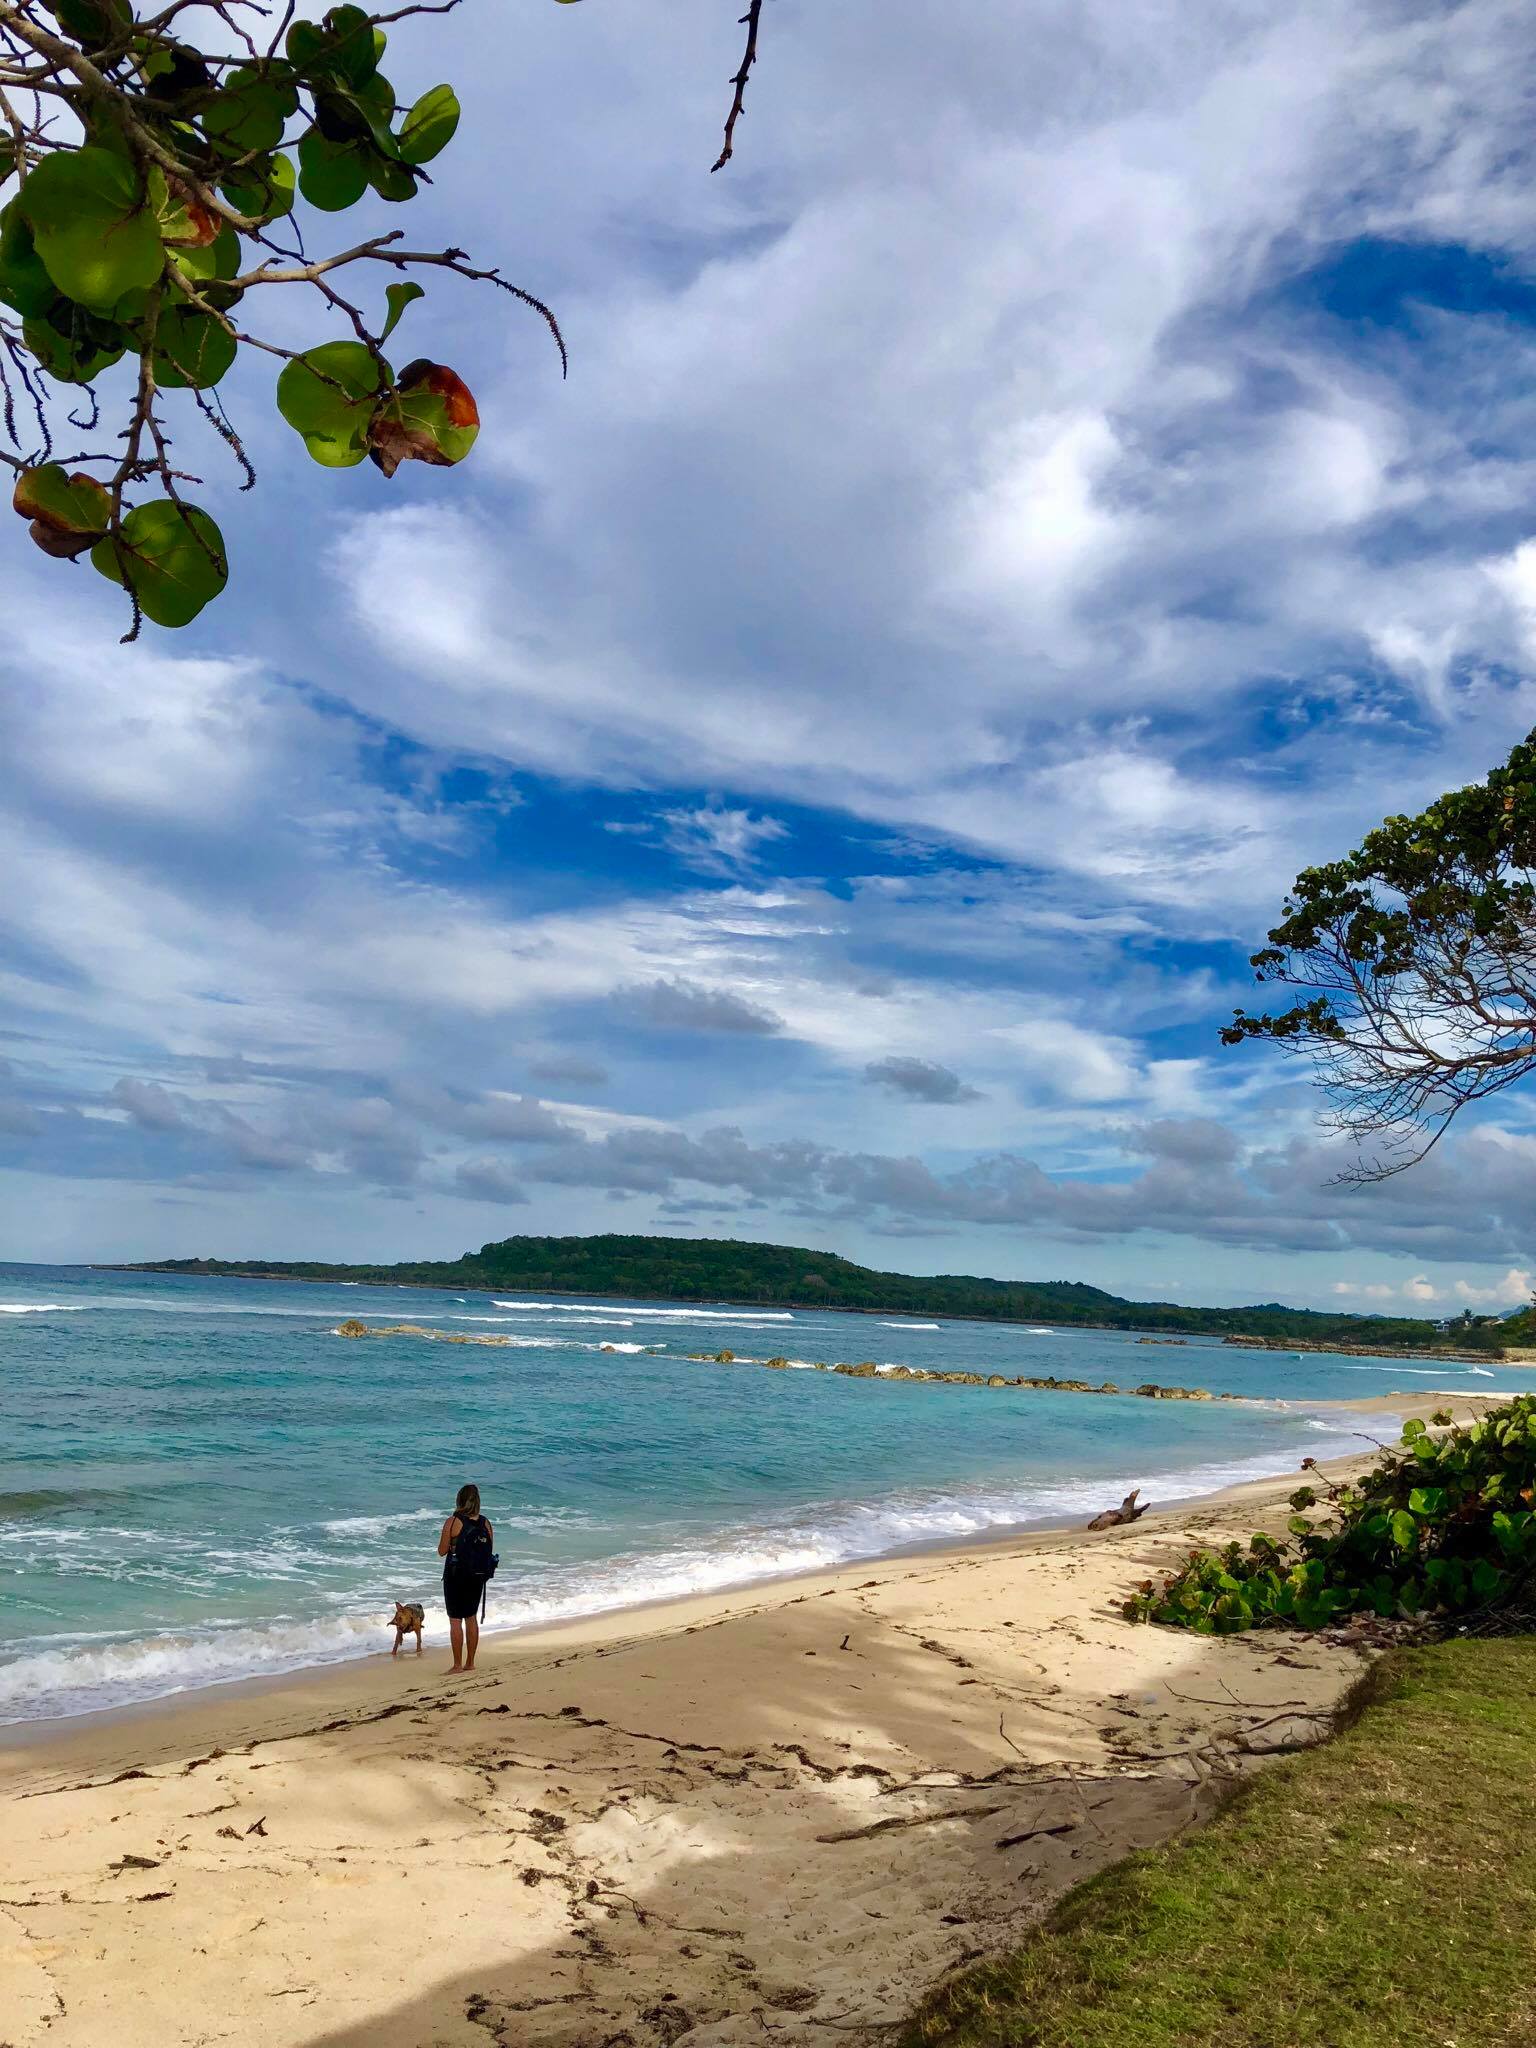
(1116, 1518)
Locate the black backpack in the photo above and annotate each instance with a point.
(470, 1553)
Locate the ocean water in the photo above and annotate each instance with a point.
(200, 1481)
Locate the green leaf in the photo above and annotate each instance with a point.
(251, 111)
(429, 126)
(1486, 1579)
(263, 190)
(399, 296)
(329, 395)
(170, 556)
(431, 416)
(25, 285)
(92, 226)
(1427, 1500)
(79, 350)
(91, 23)
(220, 259)
(1412, 1429)
(68, 513)
(332, 176)
(344, 46)
(391, 181)
(1405, 1529)
(191, 348)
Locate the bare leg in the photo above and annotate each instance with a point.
(456, 1637)
(472, 1636)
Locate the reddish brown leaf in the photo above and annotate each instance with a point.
(67, 514)
(198, 225)
(456, 395)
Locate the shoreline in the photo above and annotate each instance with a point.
(802, 1800)
(1043, 1322)
(31, 1734)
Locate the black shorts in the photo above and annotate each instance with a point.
(462, 1596)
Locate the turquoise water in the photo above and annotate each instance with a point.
(200, 1481)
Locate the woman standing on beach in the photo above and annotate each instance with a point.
(465, 1547)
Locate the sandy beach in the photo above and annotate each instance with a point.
(765, 1811)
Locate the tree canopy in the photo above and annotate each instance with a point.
(151, 185)
(1418, 952)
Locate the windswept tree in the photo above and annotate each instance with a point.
(150, 165)
(1418, 955)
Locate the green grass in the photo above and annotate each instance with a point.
(1378, 1892)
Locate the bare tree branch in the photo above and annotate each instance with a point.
(750, 20)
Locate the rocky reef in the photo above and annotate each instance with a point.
(866, 1369)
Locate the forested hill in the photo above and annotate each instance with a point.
(725, 1269)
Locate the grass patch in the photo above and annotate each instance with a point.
(1377, 1892)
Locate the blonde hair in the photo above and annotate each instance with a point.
(468, 1502)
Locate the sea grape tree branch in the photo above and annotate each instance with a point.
(750, 20)
(149, 184)
(1417, 956)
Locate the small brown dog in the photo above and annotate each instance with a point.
(410, 1615)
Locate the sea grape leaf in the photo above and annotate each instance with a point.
(343, 46)
(263, 190)
(429, 126)
(191, 348)
(25, 285)
(78, 351)
(183, 221)
(332, 175)
(92, 22)
(251, 111)
(329, 395)
(220, 259)
(68, 513)
(430, 416)
(360, 114)
(176, 71)
(92, 226)
(170, 556)
(399, 296)
(391, 181)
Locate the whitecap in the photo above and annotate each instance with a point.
(911, 1326)
(41, 1308)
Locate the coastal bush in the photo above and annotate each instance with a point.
(1444, 1524)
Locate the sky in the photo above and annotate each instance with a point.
(817, 774)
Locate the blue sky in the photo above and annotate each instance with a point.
(818, 773)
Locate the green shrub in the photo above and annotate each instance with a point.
(1444, 1524)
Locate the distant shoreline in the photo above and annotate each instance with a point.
(341, 1277)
